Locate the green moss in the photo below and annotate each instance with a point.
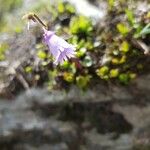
(3, 49)
(65, 8)
(80, 25)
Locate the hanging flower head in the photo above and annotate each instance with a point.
(59, 48)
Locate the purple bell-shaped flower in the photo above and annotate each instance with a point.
(59, 48)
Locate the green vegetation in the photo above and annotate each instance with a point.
(104, 52)
(122, 66)
(3, 49)
(7, 7)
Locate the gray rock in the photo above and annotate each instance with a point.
(93, 11)
(22, 126)
(100, 142)
(93, 120)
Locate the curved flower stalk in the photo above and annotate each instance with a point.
(59, 48)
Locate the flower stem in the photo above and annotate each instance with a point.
(35, 18)
(40, 21)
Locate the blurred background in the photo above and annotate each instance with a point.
(99, 100)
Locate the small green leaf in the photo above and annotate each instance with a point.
(70, 8)
(103, 72)
(3, 48)
(18, 29)
(2, 57)
(111, 3)
(145, 30)
(69, 77)
(122, 28)
(41, 54)
(28, 69)
(130, 16)
(87, 62)
(113, 73)
(123, 59)
(81, 52)
(132, 75)
(81, 43)
(124, 78)
(82, 81)
(65, 65)
(115, 61)
(44, 63)
(61, 8)
(124, 47)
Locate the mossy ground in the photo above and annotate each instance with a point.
(116, 49)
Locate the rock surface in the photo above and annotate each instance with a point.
(94, 120)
